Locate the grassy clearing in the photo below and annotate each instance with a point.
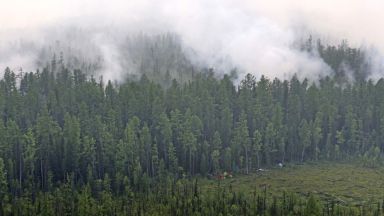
(347, 183)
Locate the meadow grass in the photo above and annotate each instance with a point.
(345, 183)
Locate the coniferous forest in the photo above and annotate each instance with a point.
(73, 144)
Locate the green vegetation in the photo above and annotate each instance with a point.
(344, 183)
(71, 145)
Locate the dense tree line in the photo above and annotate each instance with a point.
(167, 197)
(62, 131)
(58, 124)
(62, 127)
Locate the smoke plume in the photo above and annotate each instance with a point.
(118, 38)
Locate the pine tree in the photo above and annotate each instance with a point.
(173, 163)
(305, 136)
(241, 139)
(154, 159)
(29, 156)
(3, 186)
(146, 149)
(317, 134)
(269, 142)
(215, 153)
(71, 144)
(48, 134)
(257, 138)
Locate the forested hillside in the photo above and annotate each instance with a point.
(64, 134)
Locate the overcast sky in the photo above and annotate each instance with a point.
(236, 29)
(357, 19)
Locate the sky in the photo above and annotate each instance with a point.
(254, 35)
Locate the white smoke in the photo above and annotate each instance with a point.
(254, 36)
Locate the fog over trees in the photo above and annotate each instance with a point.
(179, 107)
(67, 136)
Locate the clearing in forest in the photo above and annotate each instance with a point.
(344, 183)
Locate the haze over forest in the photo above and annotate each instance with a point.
(257, 37)
(178, 107)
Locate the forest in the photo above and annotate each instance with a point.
(73, 144)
